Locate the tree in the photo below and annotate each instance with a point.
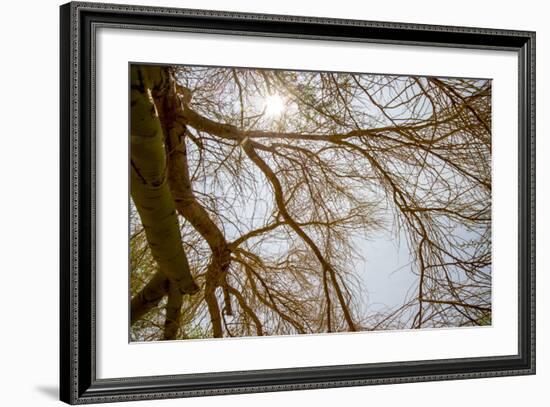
(253, 184)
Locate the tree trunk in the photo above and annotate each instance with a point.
(148, 297)
(149, 185)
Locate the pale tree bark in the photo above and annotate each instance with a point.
(173, 313)
(149, 184)
(148, 297)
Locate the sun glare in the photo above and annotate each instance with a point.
(274, 105)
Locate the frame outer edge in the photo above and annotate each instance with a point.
(64, 138)
(70, 353)
(533, 193)
(191, 12)
(70, 202)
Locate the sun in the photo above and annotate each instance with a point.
(274, 105)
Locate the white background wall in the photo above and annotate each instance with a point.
(29, 163)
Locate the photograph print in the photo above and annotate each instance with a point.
(282, 202)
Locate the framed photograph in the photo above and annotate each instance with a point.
(255, 203)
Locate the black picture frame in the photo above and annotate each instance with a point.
(78, 382)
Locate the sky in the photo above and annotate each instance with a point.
(386, 270)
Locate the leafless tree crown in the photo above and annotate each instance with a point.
(276, 176)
